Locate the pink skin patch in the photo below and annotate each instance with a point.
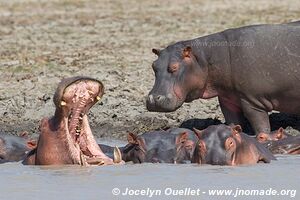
(231, 104)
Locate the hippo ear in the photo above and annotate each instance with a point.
(182, 138)
(262, 137)
(236, 132)
(132, 138)
(156, 51)
(187, 52)
(198, 133)
(32, 144)
(237, 128)
(280, 133)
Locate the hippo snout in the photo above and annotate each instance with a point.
(161, 103)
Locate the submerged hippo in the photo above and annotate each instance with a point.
(171, 146)
(273, 136)
(252, 70)
(226, 145)
(66, 138)
(14, 148)
(289, 145)
(187, 140)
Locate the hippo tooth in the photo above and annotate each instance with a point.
(63, 103)
(98, 98)
(91, 92)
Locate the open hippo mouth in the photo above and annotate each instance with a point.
(73, 98)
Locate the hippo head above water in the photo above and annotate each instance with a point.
(158, 147)
(217, 145)
(228, 145)
(273, 136)
(179, 78)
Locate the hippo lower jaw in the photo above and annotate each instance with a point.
(75, 102)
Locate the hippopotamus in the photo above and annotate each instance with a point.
(252, 70)
(14, 148)
(66, 138)
(187, 140)
(273, 136)
(170, 146)
(289, 145)
(228, 145)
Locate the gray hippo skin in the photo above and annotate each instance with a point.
(175, 145)
(14, 148)
(228, 145)
(252, 70)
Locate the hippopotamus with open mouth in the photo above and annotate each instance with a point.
(252, 70)
(66, 138)
(226, 145)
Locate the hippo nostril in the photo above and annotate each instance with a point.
(160, 98)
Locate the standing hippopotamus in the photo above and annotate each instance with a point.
(171, 146)
(66, 138)
(14, 148)
(252, 70)
(226, 145)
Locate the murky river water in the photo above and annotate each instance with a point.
(163, 181)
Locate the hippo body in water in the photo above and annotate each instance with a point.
(14, 148)
(226, 145)
(174, 145)
(252, 70)
(280, 142)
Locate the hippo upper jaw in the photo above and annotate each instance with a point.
(75, 101)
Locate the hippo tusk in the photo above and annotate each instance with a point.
(98, 98)
(91, 92)
(82, 160)
(117, 155)
(63, 103)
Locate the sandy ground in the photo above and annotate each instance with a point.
(43, 41)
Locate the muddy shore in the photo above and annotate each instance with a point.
(45, 41)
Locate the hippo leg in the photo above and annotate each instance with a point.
(232, 111)
(258, 118)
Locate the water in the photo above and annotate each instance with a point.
(95, 183)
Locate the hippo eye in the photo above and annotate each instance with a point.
(173, 67)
